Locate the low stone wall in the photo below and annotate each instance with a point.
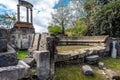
(85, 40)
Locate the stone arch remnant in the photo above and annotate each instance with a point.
(19, 26)
(21, 31)
(28, 6)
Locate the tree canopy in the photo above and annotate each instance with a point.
(7, 20)
(55, 29)
(103, 18)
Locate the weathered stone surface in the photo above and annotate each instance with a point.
(14, 72)
(51, 47)
(24, 44)
(113, 75)
(87, 70)
(92, 59)
(101, 65)
(3, 33)
(43, 65)
(34, 44)
(3, 40)
(43, 41)
(21, 41)
(8, 58)
(3, 45)
(29, 61)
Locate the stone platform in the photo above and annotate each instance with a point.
(14, 72)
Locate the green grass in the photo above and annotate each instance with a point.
(113, 64)
(74, 72)
(22, 54)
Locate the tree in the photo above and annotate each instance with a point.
(91, 7)
(7, 20)
(107, 20)
(66, 15)
(79, 29)
(55, 29)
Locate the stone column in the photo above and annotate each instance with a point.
(27, 14)
(18, 12)
(31, 15)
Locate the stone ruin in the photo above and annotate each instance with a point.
(21, 33)
(10, 67)
(8, 56)
(42, 50)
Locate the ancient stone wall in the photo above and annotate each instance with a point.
(85, 40)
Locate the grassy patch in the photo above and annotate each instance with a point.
(75, 73)
(22, 54)
(113, 64)
(61, 49)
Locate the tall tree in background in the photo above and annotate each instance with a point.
(66, 15)
(93, 7)
(107, 21)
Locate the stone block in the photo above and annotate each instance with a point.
(92, 59)
(29, 61)
(34, 44)
(112, 74)
(8, 58)
(16, 72)
(3, 39)
(3, 45)
(43, 65)
(24, 44)
(87, 70)
(100, 65)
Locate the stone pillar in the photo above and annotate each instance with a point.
(18, 10)
(27, 14)
(43, 65)
(51, 47)
(31, 15)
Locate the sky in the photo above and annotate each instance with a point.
(41, 12)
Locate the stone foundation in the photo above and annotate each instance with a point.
(16, 72)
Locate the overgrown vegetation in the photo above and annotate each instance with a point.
(22, 54)
(79, 29)
(55, 29)
(103, 17)
(74, 72)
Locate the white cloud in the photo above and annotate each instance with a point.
(41, 12)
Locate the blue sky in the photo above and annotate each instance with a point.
(62, 3)
(41, 12)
